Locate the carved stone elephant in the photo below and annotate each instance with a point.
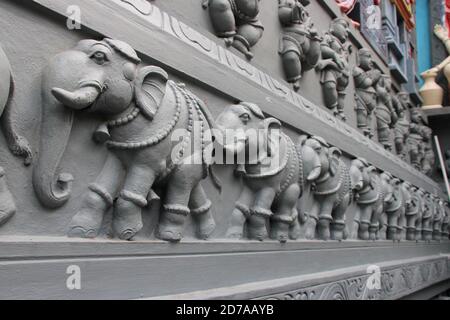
(142, 110)
(414, 215)
(270, 173)
(332, 192)
(237, 22)
(396, 210)
(427, 218)
(371, 200)
(17, 144)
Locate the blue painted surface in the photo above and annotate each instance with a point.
(423, 35)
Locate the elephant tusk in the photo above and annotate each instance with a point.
(315, 173)
(78, 100)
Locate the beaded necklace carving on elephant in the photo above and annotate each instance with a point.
(142, 109)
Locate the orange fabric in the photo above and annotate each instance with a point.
(406, 10)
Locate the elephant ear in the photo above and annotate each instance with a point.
(334, 155)
(270, 125)
(150, 88)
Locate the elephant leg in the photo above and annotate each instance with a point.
(176, 205)
(356, 223)
(325, 219)
(365, 222)
(418, 232)
(286, 214)
(240, 214)
(222, 18)
(99, 198)
(127, 220)
(392, 226)
(376, 222)
(338, 227)
(410, 228)
(200, 206)
(260, 214)
(311, 223)
(401, 227)
(292, 68)
(7, 206)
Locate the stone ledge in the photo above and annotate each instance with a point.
(398, 279)
(32, 268)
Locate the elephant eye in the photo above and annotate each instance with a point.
(99, 57)
(245, 117)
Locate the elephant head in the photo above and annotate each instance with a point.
(329, 156)
(101, 77)
(311, 161)
(250, 131)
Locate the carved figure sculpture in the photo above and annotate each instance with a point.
(415, 143)
(429, 158)
(438, 218)
(332, 192)
(17, 144)
(334, 66)
(271, 174)
(385, 112)
(427, 218)
(300, 42)
(142, 108)
(445, 222)
(237, 22)
(397, 209)
(366, 78)
(414, 215)
(372, 199)
(402, 126)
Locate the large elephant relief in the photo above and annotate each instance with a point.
(332, 192)
(371, 200)
(17, 144)
(142, 109)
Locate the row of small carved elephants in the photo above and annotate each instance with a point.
(140, 111)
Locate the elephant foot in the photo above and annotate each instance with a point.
(280, 231)
(127, 221)
(363, 232)
(257, 225)
(338, 233)
(294, 231)
(410, 235)
(204, 220)
(310, 233)
(391, 233)
(171, 224)
(323, 229)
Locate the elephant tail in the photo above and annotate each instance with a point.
(215, 179)
(18, 145)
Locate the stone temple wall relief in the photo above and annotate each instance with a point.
(237, 21)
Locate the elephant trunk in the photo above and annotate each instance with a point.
(53, 188)
(356, 178)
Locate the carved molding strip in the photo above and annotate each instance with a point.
(397, 279)
(152, 33)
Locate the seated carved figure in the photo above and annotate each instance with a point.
(142, 108)
(300, 42)
(17, 144)
(237, 21)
